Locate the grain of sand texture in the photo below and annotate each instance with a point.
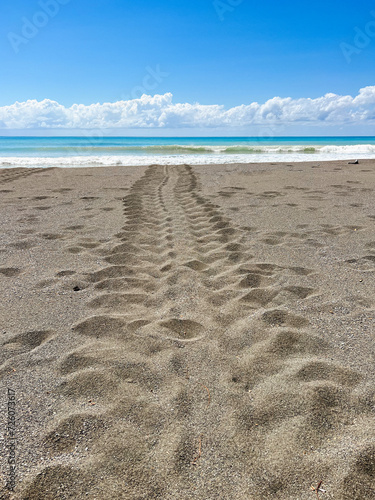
(189, 332)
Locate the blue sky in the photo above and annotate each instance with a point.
(223, 52)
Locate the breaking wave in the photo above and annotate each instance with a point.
(85, 155)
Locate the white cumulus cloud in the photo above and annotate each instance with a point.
(159, 111)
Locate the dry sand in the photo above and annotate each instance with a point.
(189, 332)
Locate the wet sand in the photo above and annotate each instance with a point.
(189, 332)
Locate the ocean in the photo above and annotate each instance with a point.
(105, 151)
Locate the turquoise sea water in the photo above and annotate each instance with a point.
(95, 151)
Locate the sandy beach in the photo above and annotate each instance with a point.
(189, 332)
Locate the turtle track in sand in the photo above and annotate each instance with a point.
(204, 384)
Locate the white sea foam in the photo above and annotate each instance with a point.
(199, 155)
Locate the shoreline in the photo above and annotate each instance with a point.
(117, 151)
(255, 164)
(49, 162)
(189, 332)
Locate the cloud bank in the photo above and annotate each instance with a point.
(159, 111)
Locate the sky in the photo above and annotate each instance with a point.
(219, 67)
